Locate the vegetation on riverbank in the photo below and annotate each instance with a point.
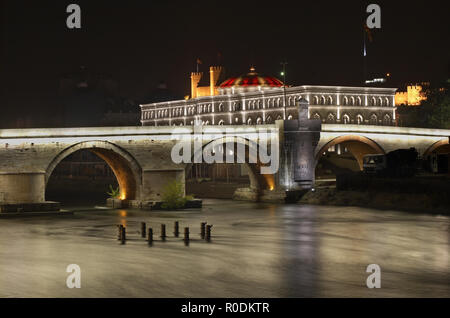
(173, 197)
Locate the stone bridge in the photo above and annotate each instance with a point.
(141, 156)
(364, 139)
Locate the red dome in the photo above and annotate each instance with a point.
(252, 79)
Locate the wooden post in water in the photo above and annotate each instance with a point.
(163, 232)
(143, 229)
(208, 233)
(202, 230)
(176, 231)
(186, 236)
(124, 235)
(150, 236)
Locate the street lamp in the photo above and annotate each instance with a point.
(283, 73)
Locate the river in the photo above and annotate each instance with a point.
(257, 250)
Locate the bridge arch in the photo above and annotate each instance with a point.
(125, 167)
(441, 144)
(359, 146)
(258, 182)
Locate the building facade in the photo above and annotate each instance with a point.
(252, 99)
(413, 96)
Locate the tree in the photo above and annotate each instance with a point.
(439, 116)
(434, 112)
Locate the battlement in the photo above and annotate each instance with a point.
(195, 74)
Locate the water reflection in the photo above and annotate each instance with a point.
(258, 250)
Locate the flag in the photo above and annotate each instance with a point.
(198, 63)
(369, 33)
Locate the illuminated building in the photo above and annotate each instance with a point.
(412, 97)
(255, 99)
(208, 90)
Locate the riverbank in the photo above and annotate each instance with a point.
(410, 202)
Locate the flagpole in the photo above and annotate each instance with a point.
(364, 58)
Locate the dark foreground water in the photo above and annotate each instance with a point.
(258, 250)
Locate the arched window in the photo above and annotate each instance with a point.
(316, 116)
(206, 123)
(373, 119)
(386, 101)
(358, 101)
(359, 119)
(331, 119)
(330, 100)
(258, 121)
(352, 101)
(346, 119)
(380, 101)
(316, 100)
(322, 100)
(221, 123)
(221, 108)
(374, 102)
(387, 120)
(290, 117)
(345, 101)
(249, 121)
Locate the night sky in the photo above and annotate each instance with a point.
(140, 43)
